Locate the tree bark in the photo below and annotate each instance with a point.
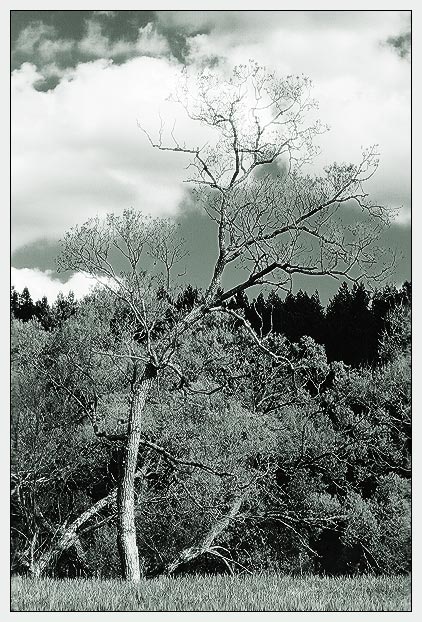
(205, 545)
(67, 537)
(126, 533)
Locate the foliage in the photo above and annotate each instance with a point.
(325, 450)
(352, 327)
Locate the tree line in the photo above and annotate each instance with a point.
(350, 328)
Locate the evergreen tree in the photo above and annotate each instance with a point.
(385, 301)
(350, 333)
(64, 308)
(26, 306)
(275, 305)
(14, 302)
(302, 315)
(260, 316)
(239, 301)
(43, 313)
(187, 298)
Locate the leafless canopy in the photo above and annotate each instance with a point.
(273, 219)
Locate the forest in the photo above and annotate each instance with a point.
(323, 457)
(159, 428)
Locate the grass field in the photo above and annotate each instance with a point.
(258, 592)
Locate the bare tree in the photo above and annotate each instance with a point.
(273, 226)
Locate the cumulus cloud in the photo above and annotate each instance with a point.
(97, 45)
(31, 37)
(45, 283)
(49, 50)
(40, 44)
(77, 150)
(151, 43)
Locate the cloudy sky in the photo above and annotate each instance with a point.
(82, 79)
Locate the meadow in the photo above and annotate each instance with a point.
(257, 592)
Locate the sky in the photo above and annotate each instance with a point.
(81, 80)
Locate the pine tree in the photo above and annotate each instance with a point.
(26, 306)
(350, 331)
(63, 308)
(14, 302)
(302, 315)
(43, 313)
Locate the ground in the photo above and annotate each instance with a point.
(256, 592)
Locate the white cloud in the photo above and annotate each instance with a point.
(50, 49)
(150, 43)
(30, 37)
(40, 44)
(39, 41)
(45, 283)
(403, 216)
(77, 150)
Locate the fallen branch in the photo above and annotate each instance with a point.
(206, 544)
(67, 536)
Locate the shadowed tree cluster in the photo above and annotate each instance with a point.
(350, 328)
(49, 316)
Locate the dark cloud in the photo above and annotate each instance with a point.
(62, 37)
(71, 24)
(123, 25)
(65, 24)
(401, 44)
(40, 255)
(56, 41)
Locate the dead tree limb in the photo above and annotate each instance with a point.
(206, 545)
(68, 536)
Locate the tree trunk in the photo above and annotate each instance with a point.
(126, 534)
(67, 537)
(206, 544)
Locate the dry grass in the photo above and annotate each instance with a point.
(258, 592)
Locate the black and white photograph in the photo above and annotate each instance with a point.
(210, 310)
